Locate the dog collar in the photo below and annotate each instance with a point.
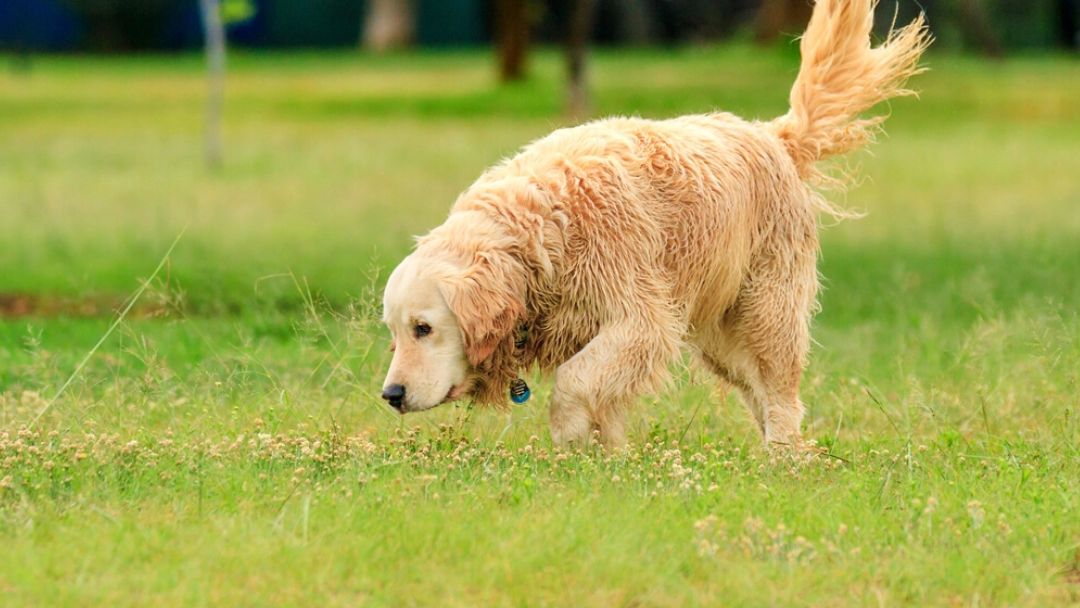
(519, 389)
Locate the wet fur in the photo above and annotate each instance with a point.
(621, 241)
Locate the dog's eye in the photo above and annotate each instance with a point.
(421, 330)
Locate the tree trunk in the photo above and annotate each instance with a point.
(975, 24)
(1068, 13)
(635, 21)
(778, 17)
(214, 31)
(390, 24)
(577, 46)
(512, 23)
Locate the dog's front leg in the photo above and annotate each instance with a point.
(595, 387)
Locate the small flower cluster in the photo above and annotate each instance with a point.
(408, 461)
(925, 518)
(755, 540)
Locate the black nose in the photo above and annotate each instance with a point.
(394, 395)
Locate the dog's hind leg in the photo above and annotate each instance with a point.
(595, 387)
(732, 368)
(761, 342)
(770, 324)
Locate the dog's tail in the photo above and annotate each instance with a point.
(841, 76)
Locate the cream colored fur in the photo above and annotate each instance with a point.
(621, 241)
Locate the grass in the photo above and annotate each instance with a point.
(226, 445)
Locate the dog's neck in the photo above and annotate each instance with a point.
(508, 217)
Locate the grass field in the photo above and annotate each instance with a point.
(226, 444)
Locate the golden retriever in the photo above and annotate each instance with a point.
(601, 250)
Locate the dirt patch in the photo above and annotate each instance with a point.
(1071, 572)
(17, 305)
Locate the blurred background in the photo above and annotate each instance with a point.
(992, 27)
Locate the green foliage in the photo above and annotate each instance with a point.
(237, 11)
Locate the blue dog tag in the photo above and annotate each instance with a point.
(519, 391)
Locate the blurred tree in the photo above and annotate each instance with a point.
(1068, 15)
(986, 26)
(701, 20)
(122, 25)
(512, 38)
(634, 19)
(514, 19)
(389, 24)
(778, 17)
(577, 43)
(976, 27)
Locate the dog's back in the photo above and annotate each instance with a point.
(688, 187)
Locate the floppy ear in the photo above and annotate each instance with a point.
(488, 300)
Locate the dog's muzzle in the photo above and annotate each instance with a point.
(395, 396)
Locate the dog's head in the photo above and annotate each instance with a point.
(447, 313)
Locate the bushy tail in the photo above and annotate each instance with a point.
(842, 76)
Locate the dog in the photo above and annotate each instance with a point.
(601, 251)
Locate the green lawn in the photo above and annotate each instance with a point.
(226, 444)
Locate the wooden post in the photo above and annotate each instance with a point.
(214, 32)
(577, 46)
(512, 23)
(389, 25)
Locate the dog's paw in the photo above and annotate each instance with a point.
(569, 423)
(569, 435)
